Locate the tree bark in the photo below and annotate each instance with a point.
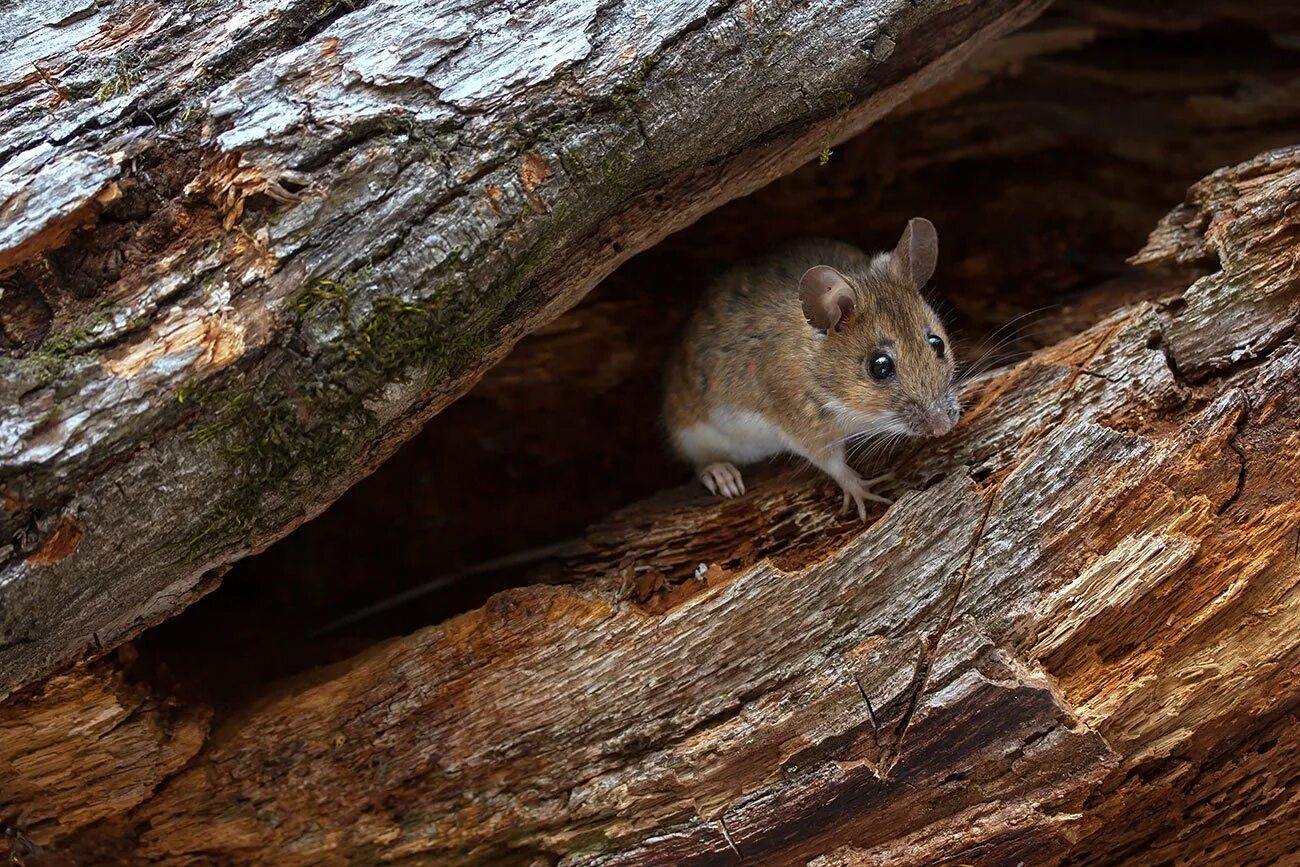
(240, 269)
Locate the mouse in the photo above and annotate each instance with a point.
(812, 350)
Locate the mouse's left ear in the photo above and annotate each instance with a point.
(917, 252)
(827, 298)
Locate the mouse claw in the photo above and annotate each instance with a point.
(887, 477)
(857, 491)
(862, 507)
(723, 479)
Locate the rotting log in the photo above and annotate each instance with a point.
(1072, 640)
(92, 731)
(240, 268)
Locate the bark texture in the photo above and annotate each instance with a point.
(241, 267)
(89, 745)
(1073, 639)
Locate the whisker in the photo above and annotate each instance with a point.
(970, 373)
(1008, 339)
(1002, 335)
(1026, 315)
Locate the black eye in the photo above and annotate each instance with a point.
(881, 366)
(936, 343)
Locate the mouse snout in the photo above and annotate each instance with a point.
(938, 423)
(937, 418)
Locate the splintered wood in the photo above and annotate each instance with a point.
(1073, 639)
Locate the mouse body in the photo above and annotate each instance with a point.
(810, 351)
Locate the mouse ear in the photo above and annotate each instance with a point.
(827, 298)
(917, 252)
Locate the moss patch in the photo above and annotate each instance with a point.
(124, 73)
(291, 432)
(629, 92)
(776, 39)
(49, 360)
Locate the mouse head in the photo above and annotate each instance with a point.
(885, 364)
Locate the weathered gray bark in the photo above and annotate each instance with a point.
(249, 250)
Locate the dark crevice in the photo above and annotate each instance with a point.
(726, 833)
(871, 712)
(467, 509)
(1156, 343)
(1111, 379)
(66, 285)
(1243, 419)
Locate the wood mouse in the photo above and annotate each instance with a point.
(810, 351)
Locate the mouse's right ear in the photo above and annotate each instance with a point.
(917, 252)
(827, 298)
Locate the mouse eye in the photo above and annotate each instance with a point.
(881, 366)
(936, 343)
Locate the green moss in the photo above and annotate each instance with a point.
(333, 293)
(530, 138)
(610, 169)
(841, 100)
(404, 125)
(452, 263)
(192, 394)
(615, 168)
(58, 350)
(288, 434)
(577, 164)
(329, 7)
(124, 72)
(261, 435)
(629, 92)
(776, 39)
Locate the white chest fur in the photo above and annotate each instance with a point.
(737, 435)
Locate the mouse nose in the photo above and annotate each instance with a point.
(937, 419)
(938, 423)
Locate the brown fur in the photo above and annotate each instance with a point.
(749, 347)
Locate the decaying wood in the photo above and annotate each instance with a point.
(1091, 145)
(90, 745)
(237, 270)
(1072, 639)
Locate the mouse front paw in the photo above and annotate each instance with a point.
(723, 479)
(858, 491)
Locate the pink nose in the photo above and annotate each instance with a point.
(938, 424)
